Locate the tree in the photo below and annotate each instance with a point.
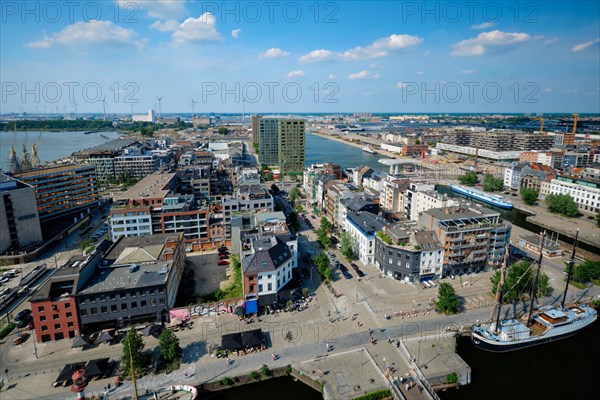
(299, 208)
(294, 194)
(562, 204)
(269, 176)
(519, 281)
(322, 263)
(133, 339)
(274, 189)
(587, 271)
(469, 178)
(223, 131)
(447, 299)
(168, 344)
(325, 224)
(347, 242)
(529, 196)
(323, 238)
(492, 184)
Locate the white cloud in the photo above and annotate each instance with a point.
(547, 90)
(295, 74)
(420, 72)
(332, 77)
(273, 53)
(166, 26)
(235, 33)
(570, 91)
(363, 75)
(155, 8)
(483, 25)
(467, 71)
(401, 85)
(201, 29)
(480, 44)
(381, 47)
(92, 32)
(583, 46)
(551, 40)
(317, 55)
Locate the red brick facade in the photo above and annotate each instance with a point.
(55, 320)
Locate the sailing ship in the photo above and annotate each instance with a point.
(546, 324)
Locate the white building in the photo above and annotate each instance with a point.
(586, 197)
(148, 117)
(363, 228)
(426, 200)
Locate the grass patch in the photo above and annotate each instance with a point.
(578, 285)
(7, 329)
(452, 378)
(376, 395)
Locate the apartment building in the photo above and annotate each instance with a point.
(409, 254)
(62, 189)
(19, 218)
(363, 227)
(282, 143)
(585, 192)
(473, 238)
(426, 200)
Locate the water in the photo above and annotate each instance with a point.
(273, 389)
(51, 145)
(320, 150)
(566, 369)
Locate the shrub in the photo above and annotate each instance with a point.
(226, 381)
(254, 375)
(265, 371)
(376, 395)
(452, 378)
(6, 330)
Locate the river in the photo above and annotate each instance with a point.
(272, 389)
(51, 145)
(320, 150)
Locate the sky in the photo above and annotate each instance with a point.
(300, 56)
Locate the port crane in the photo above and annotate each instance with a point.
(541, 119)
(575, 118)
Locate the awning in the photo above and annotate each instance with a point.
(79, 341)
(233, 341)
(252, 338)
(150, 329)
(98, 367)
(105, 336)
(251, 306)
(236, 341)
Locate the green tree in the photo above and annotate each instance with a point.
(269, 176)
(322, 263)
(347, 242)
(274, 189)
(294, 194)
(223, 131)
(492, 184)
(447, 299)
(529, 196)
(133, 339)
(299, 208)
(587, 271)
(168, 344)
(519, 281)
(293, 219)
(469, 178)
(562, 204)
(325, 224)
(323, 238)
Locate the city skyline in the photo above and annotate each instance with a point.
(409, 57)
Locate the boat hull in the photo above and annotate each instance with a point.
(502, 348)
(484, 200)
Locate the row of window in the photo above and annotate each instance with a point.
(121, 307)
(124, 295)
(56, 316)
(57, 326)
(42, 309)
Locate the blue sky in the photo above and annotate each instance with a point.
(346, 56)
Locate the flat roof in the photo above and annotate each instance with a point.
(153, 185)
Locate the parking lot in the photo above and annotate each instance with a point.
(208, 276)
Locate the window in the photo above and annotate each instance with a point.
(251, 289)
(83, 312)
(143, 304)
(153, 302)
(123, 306)
(94, 310)
(42, 318)
(103, 310)
(122, 296)
(70, 324)
(56, 326)
(260, 288)
(67, 305)
(44, 328)
(162, 301)
(69, 315)
(41, 309)
(270, 286)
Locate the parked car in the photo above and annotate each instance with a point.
(223, 256)
(223, 262)
(29, 326)
(22, 323)
(4, 279)
(22, 314)
(21, 337)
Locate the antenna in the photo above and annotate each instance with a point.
(159, 109)
(75, 107)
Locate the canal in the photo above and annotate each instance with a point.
(272, 389)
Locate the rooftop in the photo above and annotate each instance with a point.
(269, 254)
(154, 185)
(109, 148)
(366, 222)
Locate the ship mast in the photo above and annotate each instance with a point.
(537, 275)
(570, 271)
(498, 304)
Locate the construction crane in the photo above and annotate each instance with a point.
(569, 138)
(575, 118)
(541, 124)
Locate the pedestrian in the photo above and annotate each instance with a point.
(273, 356)
(407, 387)
(186, 374)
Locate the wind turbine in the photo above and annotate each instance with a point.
(193, 110)
(104, 107)
(159, 100)
(75, 107)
